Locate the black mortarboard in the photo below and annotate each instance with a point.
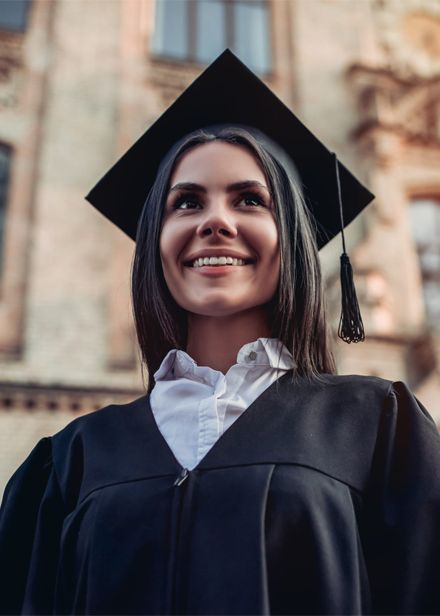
(227, 92)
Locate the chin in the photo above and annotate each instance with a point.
(218, 309)
(217, 312)
(223, 309)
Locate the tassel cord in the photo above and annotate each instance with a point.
(351, 327)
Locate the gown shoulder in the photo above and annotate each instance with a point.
(36, 500)
(31, 517)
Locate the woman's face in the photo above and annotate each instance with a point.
(219, 205)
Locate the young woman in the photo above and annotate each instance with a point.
(250, 479)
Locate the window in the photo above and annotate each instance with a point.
(13, 14)
(199, 30)
(425, 223)
(5, 155)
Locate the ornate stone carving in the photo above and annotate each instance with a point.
(408, 107)
(423, 32)
(409, 34)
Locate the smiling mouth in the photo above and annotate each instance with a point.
(230, 263)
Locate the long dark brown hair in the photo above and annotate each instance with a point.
(297, 311)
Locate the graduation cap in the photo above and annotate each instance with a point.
(228, 93)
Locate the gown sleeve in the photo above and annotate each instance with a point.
(31, 518)
(403, 542)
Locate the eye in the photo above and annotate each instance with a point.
(253, 199)
(185, 202)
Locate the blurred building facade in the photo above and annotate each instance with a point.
(80, 80)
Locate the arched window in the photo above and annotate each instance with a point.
(5, 158)
(425, 223)
(199, 30)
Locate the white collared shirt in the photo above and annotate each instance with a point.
(194, 405)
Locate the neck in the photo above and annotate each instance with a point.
(215, 341)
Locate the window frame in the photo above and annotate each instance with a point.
(190, 57)
(8, 149)
(420, 248)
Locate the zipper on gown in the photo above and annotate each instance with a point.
(179, 491)
(181, 477)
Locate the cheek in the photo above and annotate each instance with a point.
(273, 256)
(164, 245)
(172, 239)
(268, 243)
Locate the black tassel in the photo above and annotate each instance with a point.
(351, 327)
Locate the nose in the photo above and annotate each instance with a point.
(217, 221)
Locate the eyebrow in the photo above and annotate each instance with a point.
(229, 188)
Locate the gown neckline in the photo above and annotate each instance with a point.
(232, 433)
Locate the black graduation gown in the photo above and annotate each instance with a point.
(321, 498)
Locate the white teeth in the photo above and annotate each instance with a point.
(217, 261)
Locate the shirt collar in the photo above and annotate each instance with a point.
(266, 352)
(269, 352)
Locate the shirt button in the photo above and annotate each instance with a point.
(252, 356)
